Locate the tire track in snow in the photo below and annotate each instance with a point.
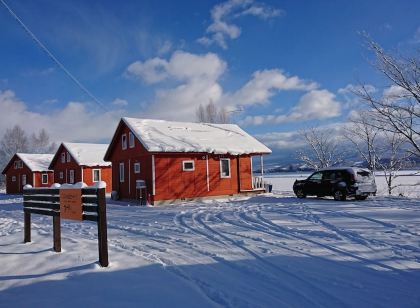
(277, 268)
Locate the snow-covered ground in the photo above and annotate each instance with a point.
(265, 251)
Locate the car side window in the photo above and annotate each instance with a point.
(328, 176)
(315, 177)
(339, 175)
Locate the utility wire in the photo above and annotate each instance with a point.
(52, 57)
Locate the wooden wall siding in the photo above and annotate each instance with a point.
(17, 187)
(128, 157)
(106, 171)
(65, 168)
(38, 179)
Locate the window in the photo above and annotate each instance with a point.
(122, 172)
(137, 168)
(61, 175)
(71, 176)
(44, 178)
(225, 168)
(96, 175)
(68, 157)
(188, 165)
(20, 164)
(23, 179)
(63, 157)
(316, 177)
(15, 164)
(131, 139)
(124, 141)
(13, 179)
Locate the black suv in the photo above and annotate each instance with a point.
(339, 182)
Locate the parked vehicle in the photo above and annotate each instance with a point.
(340, 182)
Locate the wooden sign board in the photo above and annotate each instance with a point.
(71, 204)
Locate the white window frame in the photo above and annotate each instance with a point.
(42, 178)
(121, 172)
(124, 141)
(13, 178)
(221, 172)
(131, 141)
(24, 180)
(63, 157)
(61, 175)
(137, 168)
(93, 175)
(187, 162)
(15, 164)
(71, 175)
(68, 157)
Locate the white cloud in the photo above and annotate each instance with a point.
(75, 122)
(395, 92)
(222, 27)
(264, 85)
(315, 104)
(151, 71)
(281, 140)
(351, 88)
(119, 102)
(199, 77)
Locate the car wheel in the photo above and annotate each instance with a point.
(339, 195)
(361, 197)
(300, 193)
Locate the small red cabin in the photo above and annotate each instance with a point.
(29, 169)
(81, 162)
(163, 161)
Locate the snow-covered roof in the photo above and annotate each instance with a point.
(36, 162)
(87, 154)
(167, 136)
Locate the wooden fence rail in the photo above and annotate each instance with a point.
(46, 201)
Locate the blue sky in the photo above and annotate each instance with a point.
(285, 63)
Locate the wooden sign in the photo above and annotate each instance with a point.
(71, 204)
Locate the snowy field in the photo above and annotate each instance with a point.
(266, 251)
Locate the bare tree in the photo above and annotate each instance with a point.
(397, 110)
(210, 113)
(393, 158)
(364, 137)
(14, 140)
(41, 143)
(322, 149)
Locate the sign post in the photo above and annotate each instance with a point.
(76, 204)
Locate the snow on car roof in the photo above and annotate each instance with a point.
(36, 162)
(87, 154)
(168, 136)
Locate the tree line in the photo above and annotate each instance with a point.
(16, 140)
(385, 130)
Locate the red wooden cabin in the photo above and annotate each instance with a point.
(29, 169)
(81, 162)
(179, 160)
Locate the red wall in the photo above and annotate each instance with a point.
(58, 166)
(38, 179)
(174, 183)
(171, 182)
(17, 187)
(130, 156)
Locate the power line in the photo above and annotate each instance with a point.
(52, 57)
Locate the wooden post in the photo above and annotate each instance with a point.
(27, 227)
(57, 233)
(102, 228)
